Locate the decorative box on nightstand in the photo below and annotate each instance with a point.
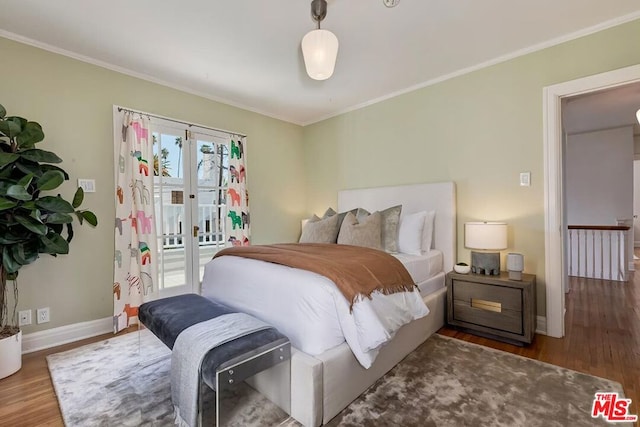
(493, 306)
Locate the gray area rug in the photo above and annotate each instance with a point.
(445, 382)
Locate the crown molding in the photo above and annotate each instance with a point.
(142, 76)
(504, 58)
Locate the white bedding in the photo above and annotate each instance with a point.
(308, 307)
(422, 267)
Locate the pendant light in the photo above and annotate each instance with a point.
(319, 47)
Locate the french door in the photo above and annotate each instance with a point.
(191, 175)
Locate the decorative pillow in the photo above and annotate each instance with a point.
(365, 233)
(330, 212)
(427, 232)
(410, 233)
(390, 218)
(361, 214)
(320, 230)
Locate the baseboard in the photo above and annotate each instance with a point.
(65, 334)
(541, 327)
(78, 331)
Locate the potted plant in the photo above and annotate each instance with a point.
(32, 220)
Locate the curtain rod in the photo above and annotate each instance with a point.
(180, 121)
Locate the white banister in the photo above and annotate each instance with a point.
(211, 229)
(598, 252)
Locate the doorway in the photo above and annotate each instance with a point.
(555, 223)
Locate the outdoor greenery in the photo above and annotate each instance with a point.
(32, 221)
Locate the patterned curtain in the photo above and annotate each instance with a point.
(238, 223)
(135, 268)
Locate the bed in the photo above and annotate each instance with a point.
(327, 372)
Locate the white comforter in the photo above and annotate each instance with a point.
(308, 307)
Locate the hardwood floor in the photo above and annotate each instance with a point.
(602, 339)
(602, 327)
(27, 398)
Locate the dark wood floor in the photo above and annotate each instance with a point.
(602, 338)
(602, 334)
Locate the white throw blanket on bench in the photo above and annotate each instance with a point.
(189, 350)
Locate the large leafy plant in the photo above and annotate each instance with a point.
(32, 220)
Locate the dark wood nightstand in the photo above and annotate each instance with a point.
(493, 306)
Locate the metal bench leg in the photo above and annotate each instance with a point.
(200, 400)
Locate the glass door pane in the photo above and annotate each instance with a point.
(212, 176)
(172, 214)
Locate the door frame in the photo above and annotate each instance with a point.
(555, 276)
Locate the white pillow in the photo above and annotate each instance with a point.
(427, 232)
(410, 233)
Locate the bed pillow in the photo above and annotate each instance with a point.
(330, 212)
(427, 232)
(365, 233)
(319, 230)
(410, 233)
(390, 218)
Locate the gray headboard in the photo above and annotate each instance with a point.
(440, 197)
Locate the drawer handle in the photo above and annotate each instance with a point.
(496, 307)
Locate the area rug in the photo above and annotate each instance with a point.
(445, 382)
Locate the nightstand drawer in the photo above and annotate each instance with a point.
(505, 320)
(493, 306)
(506, 298)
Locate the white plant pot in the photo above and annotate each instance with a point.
(10, 355)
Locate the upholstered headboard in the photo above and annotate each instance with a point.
(440, 197)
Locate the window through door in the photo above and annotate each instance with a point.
(191, 178)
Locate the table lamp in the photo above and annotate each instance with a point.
(486, 236)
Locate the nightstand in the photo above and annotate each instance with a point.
(493, 306)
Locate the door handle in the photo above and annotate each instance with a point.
(195, 230)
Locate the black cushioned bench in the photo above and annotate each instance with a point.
(227, 364)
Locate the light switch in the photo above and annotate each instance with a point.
(88, 185)
(525, 179)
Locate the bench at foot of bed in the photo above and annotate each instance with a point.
(228, 364)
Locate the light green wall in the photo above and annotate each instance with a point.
(73, 102)
(479, 130)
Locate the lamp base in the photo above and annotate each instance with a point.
(487, 263)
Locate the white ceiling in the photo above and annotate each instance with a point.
(605, 109)
(247, 53)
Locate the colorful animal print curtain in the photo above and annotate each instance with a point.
(135, 268)
(238, 224)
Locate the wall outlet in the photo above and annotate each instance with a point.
(42, 315)
(24, 317)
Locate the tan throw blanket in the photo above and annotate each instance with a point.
(356, 271)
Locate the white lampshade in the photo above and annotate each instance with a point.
(320, 50)
(485, 235)
(638, 116)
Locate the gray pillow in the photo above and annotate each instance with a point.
(330, 212)
(320, 230)
(390, 218)
(365, 233)
(361, 214)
